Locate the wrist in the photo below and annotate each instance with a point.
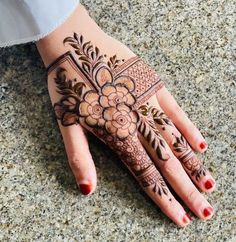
(51, 46)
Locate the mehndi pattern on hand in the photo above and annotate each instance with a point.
(106, 100)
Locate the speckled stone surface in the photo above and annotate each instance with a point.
(192, 45)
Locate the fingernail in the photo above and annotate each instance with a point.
(207, 211)
(203, 145)
(186, 218)
(209, 184)
(85, 188)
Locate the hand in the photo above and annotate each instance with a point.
(98, 85)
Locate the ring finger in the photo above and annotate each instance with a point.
(180, 147)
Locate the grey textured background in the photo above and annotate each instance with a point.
(192, 45)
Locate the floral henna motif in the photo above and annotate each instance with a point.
(106, 101)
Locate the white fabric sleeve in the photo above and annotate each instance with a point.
(24, 21)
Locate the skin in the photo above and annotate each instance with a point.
(158, 130)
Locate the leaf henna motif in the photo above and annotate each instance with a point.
(113, 62)
(198, 173)
(160, 117)
(180, 144)
(149, 131)
(90, 57)
(188, 158)
(66, 109)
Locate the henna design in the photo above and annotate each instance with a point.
(106, 102)
(149, 131)
(201, 171)
(160, 117)
(188, 158)
(180, 145)
(135, 158)
(66, 109)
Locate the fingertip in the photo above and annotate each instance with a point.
(202, 147)
(196, 140)
(179, 216)
(186, 220)
(209, 185)
(208, 213)
(85, 188)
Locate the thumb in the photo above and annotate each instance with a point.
(79, 157)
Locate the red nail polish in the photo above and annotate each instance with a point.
(209, 184)
(85, 188)
(203, 145)
(207, 211)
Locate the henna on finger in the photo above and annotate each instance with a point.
(188, 158)
(135, 157)
(179, 144)
(150, 133)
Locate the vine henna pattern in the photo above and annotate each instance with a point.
(151, 134)
(105, 98)
(180, 144)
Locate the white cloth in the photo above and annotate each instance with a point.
(24, 21)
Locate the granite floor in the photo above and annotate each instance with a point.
(192, 45)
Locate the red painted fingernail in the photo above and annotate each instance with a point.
(186, 218)
(209, 184)
(85, 188)
(207, 211)
(203, 145)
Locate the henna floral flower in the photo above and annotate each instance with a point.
(120, 121)
(115, 94)
(91, 110)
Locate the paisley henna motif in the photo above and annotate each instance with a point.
(106, 101)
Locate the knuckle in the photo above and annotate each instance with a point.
(74, 161)
(171, 166)
(175, 112)
(192, 195)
